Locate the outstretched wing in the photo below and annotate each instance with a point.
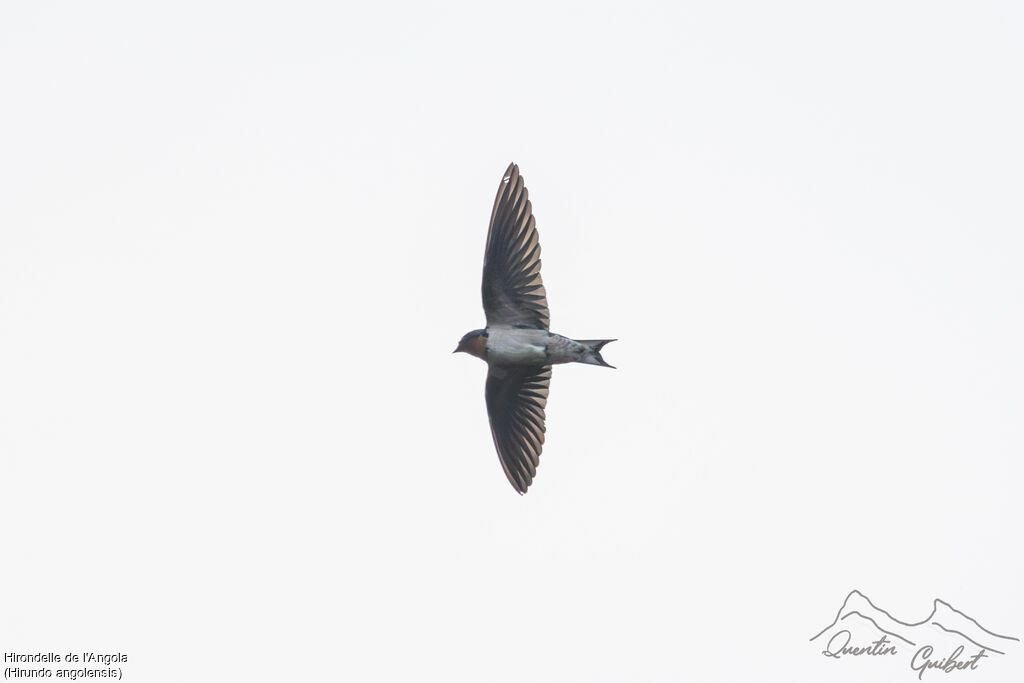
(513, 292)
(516, 396)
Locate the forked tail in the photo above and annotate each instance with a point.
(594, 347)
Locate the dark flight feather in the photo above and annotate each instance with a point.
(513, 291)
(516, 397)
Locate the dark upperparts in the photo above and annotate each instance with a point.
(473, 335)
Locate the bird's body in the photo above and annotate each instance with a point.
(513, 346)
(516, 344)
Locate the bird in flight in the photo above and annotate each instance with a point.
(516, 344)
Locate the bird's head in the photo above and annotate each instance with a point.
(474, 343)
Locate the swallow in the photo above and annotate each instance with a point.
(516, 344)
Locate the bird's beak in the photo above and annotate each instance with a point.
(457, 349)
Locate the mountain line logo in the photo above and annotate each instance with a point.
(946, 641)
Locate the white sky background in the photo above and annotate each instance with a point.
(239, 241)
